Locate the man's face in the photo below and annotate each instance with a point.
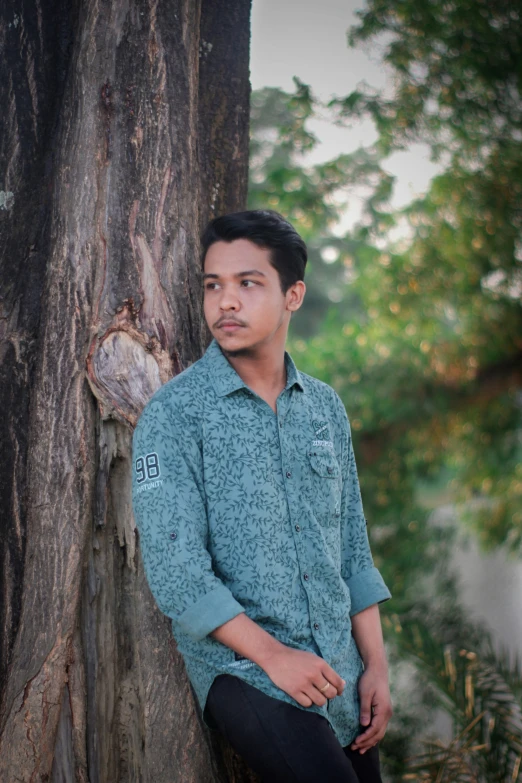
(243, 302)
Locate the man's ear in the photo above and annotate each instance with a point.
(295, 295)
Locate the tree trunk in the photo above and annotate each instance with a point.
(123, 129)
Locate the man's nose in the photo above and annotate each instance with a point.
(229, 301)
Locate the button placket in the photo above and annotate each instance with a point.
(288, 474)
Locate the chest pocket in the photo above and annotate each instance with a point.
(326, 484)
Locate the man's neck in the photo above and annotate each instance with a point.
(262, 369)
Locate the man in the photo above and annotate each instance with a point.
(252, 531)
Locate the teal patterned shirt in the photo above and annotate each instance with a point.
(242, 509)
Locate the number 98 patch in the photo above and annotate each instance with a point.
(148, 469)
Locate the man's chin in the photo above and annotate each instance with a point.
(235, 344)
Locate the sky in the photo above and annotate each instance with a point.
(308, 39)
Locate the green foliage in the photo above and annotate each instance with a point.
(422, 336)
(457, 71)
(311, 197)
(425, 331)
(447, 299)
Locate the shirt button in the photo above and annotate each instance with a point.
(306, 577)
(173, 535)
(316, 626)
(288, 474)
(330, 470)
(298, 528)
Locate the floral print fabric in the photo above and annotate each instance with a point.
(241, 509)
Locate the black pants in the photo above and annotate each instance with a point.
(283, 743)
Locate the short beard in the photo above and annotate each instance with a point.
(246, 352)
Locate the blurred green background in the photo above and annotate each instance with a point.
(414, 315)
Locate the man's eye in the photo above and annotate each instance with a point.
(210, 285)
(248, 281)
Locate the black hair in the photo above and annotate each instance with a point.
(265, 228)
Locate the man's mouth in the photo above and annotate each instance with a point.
(230, 326)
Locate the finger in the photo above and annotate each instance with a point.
(303, 699)
(365, 749)
(366, 707)
(377, 727)
(332, 676)
(329, 692)
(370, 744)
(368, 735)
(316, 696)
(380, 719)
(369, 738)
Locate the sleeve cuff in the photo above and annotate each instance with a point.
(366, 588)
(214, 609)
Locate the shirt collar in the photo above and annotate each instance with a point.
(226, 380)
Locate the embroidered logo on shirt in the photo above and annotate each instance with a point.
(321, 428)
(322, 443)
(150, 485)
(243, 664)
(148, 468)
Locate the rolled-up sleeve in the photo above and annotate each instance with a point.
(169, 508)
(364, 580)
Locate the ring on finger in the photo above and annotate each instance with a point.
(325, 687)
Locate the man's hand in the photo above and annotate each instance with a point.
(299, 673)
(302, 674)
(376, 708)
(374, 691)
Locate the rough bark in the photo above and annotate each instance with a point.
(123, 128)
